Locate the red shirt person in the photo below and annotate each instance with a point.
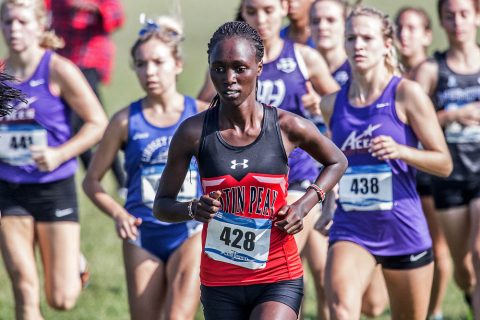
(86, 25)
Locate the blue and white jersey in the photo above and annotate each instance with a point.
(146, 153)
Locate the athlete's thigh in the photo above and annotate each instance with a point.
(273, 310)
(59, 244)
(474, 208)
(315, 251)
(375, 297)
(428, 206)
(183, 269)
(348, 272)
(146, 283)
(301, 238)
(439, 241)
(409, 291)
(456, 224)
(17, 242)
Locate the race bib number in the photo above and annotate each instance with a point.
(366, 188)
(15, 142)
(151, 179)
(241, 241)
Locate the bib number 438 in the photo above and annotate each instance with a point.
(364, 186)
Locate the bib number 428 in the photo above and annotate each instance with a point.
(236, 238)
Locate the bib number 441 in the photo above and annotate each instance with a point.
(21, 142)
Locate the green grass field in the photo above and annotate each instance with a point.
(105, 298)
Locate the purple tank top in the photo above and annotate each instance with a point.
(378, 206)
(43, 120)
(282, 85)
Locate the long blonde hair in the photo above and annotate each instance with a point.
(388, 33)
(49, 39)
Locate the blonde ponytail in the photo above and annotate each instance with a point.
(51, 41)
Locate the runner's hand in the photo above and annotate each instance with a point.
(384, 147)
(311, 100)
(46, 158)
(206, 207)
(126, 226)
(289, 219)
(468, 115)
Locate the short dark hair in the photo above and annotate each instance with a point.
(342, 3)
(427, 22)
(440, 4)
(237, 29)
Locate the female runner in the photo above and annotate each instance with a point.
(161, 259)
(377, 120)
(250, 265)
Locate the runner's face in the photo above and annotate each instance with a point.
(156, 67)
(327, 25)
(364, 42)
(265, 16)
(20, 27)
(460, 21)
(412, 36)
(234, 69)
(298, 9)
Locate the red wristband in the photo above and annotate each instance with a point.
(320, 192)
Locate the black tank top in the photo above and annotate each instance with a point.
(253, 180)
(455, 91)
(265, 155)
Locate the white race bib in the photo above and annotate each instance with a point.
(241, 241)
(365, 188)
(151, 179)
(15, 142)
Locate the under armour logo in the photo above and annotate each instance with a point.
(235, 164)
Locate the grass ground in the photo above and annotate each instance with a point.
(105, 298)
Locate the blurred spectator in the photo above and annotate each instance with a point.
(86, 26)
